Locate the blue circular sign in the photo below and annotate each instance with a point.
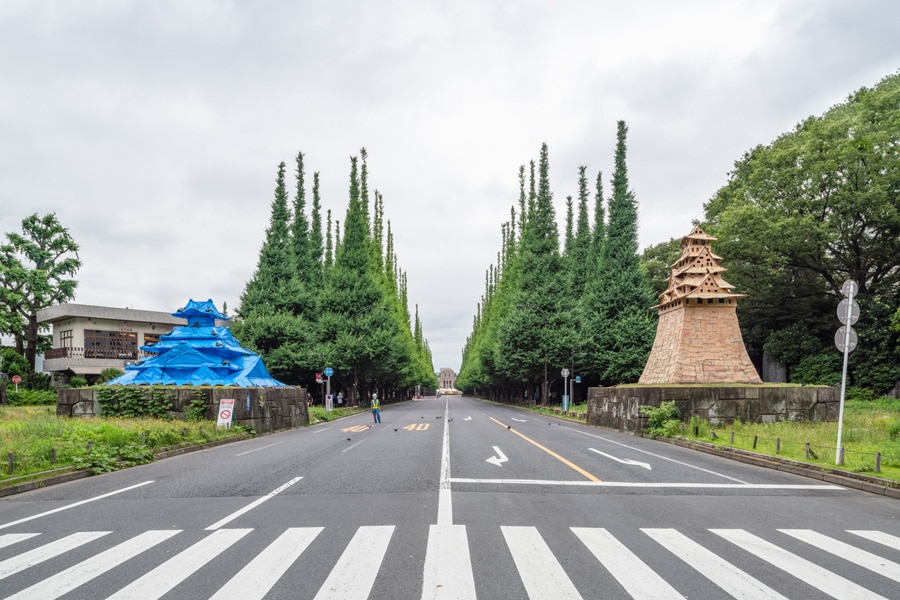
(328, 371)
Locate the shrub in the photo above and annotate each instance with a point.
(662, 420)
(77, 382)
(109, 374)
(30, 397)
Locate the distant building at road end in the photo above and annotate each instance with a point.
(698, 339)
(446, 379)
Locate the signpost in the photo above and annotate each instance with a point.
(329, 403)
(226, 413)
(16, 380)
(565, 398)
(845, 339)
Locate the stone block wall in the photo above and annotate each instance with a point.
(617, 407)
(263, 409)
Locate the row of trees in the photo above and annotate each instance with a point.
(796, 218)
(333, 296)
(586, 306)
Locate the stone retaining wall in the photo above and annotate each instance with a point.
(263, 409)
(617, 407)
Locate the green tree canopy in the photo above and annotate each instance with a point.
(36, 270)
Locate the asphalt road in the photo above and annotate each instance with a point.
(448, 498)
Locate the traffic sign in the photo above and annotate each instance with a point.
(328, 371)
(841, 337)
(226, 412)
(16, 379)
(565, 373)
(849, 288)
(848, 311)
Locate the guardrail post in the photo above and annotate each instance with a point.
(777, 445)
(878, 462)
(52, 456)
(732, 438)
(807, 450)
(12, 462)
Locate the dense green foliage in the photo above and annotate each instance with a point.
(801, 215)
(342, 305)
(586, 308)
(796, 218)
(36, 267)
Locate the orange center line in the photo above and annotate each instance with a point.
(548, 451)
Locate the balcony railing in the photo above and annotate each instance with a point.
(95, 353)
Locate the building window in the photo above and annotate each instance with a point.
(65, 338)
(150, 339)
(110, 344)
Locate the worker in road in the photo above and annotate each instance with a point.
(376, 408)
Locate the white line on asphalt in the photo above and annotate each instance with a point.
(11, 538)
(68, 506)
(445, 504)
(448, 566)
(38, 555)
(156, 583)
(252, 505)
(735, 582)
(540, 571)
(321, 430)
(891, 541)
(77, 575)
(684, 485)
(353, 446)
(867, 560)
(660, 456)
(261, 448)
(804, 570)
(255, 580)
(354, 574)
(638, 579)
(624, 461)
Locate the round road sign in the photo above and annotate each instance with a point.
(848, 311)
(840, 336)
(328, 372)
(16, 379)
(849, 288)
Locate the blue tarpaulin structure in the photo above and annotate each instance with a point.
(199, 353)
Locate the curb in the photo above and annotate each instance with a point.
(849, 479)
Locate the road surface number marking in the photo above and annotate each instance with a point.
(417, 427)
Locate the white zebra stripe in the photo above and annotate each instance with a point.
(9, 539)
(886, 539)
(448, 565)
(865, 559)
(631, 572)
(804, 570)
(73, 577)
(541, 574)
(166, 576)
(47, 551)
(257, 578)
(352, 578)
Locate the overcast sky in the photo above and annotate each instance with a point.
(154, 129)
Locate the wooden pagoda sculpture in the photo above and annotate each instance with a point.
(698, 339)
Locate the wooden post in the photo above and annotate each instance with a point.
(755, 437)
(777, 445)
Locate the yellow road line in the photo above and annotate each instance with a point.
(548, 451)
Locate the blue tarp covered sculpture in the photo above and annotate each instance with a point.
(198, 353)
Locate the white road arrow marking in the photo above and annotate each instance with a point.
(467, 419)
(624, 461)
(519, 420)
(497, 460)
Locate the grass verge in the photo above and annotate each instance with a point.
(34, 440)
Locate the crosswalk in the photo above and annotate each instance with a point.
(736, 563)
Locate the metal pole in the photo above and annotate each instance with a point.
(838, 458)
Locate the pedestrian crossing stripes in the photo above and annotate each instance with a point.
(797, 559)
